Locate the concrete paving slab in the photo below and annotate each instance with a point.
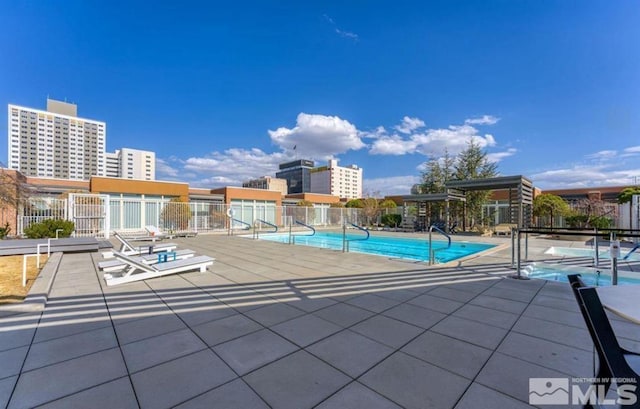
(298, 381)
(568, 360)
(414, 315)
(311, 305)
(459, 357)
(62, 349)
(252, 351)
(488, 316)
(439, 304)
(342, 314)
(12, 360)
(571, 318)
(350, 352)
(115, 394)
(357, 396)
(136, 330)
(152, 351)
(180, 380)
(233, 395)
(274, 314)
(373, 302)
(225, 329)
(452, 294)
(6, 388)
(387, 331)
(551, 331)
(500, 304)
(415, 384)
(55, 381)
(511, 375)
(305, 330)
(483, 335)
(17, 334)
(481, 397)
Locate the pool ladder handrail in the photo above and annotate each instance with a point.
(345, 241)
(292, 237)
(248, 226)
(432, 251)
(255, 225)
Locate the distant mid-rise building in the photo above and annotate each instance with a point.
(344, 182)
(297, 174)
(55, 143)
(267, 183)
(130, 163)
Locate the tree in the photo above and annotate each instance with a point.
(14, 193)
(547, 204)
(175, 215)
(438, 171)
(473, 163)
(627, 193)
(388, 204)
(370, 208)
(355, 203)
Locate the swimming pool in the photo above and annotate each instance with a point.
(398, 247)
(590, 276)
(603, 252)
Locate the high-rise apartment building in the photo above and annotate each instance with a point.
(129, 163)
(345, 182)
(297, 174)
(55, 143)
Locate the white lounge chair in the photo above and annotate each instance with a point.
(155, 232)
(129, 249)
(137, 270)
(116, 265)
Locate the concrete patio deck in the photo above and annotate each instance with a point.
(278, 326)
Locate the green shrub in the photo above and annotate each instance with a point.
(4, 231)
(391, 220)
(584, 221)
(47, 228)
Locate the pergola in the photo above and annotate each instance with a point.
(520, 195)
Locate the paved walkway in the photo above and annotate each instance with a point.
(277, 326)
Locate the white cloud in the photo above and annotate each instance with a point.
(347, 34)
(342, 33)
(318, 136)
(394, 185)
(234, 166)
(483, 120)
(631, 151)
(165, 170)
(409, 125)
(498, 156)
(602, 168)
(603, 155)
(432, 142)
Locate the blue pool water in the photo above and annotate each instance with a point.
(399, 247)
(590, 276)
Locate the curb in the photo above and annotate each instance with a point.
(39, 293)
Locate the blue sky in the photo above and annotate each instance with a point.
(223, 91)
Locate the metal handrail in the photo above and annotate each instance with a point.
(255, 232)
(292, 237)
(345, 241)
(313, 231)
(432, 251)
(241, 222)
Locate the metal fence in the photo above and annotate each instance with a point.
(99, 215)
